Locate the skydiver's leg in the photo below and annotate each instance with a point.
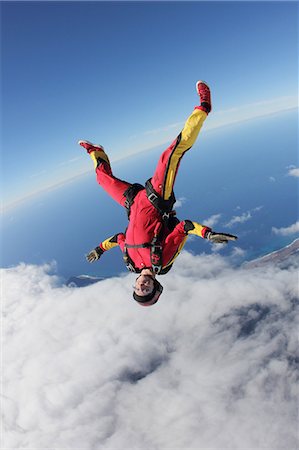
(168, 164)
(164, 177)
(112, 185)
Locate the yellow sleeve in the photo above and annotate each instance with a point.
(109, 243)
(196, 228)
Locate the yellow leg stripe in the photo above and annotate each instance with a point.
(98, 154)
(178, 252)
(187, 138)
(94, 159)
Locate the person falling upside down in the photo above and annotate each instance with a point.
(154, 236)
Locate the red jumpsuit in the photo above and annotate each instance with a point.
(144, 217)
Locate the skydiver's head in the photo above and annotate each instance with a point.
(147, 289)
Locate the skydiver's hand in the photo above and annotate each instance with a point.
(94, 254)
(220, 238)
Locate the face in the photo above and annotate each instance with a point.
(144, 285)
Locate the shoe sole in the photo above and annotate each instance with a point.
(203, 82)
(98, 146)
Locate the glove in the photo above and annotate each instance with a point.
(219, 238)
(94, 255)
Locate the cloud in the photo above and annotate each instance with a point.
(251, 111)
(293, 172)
(179, 202)
(39, 174)
(212, 221)
(243, 217)
(229, 116)
(239, 219)
(163, 129)
(238, 252)
(287, 231)
(70, 161)
(204, 368)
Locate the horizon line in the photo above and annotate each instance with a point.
(209, 128)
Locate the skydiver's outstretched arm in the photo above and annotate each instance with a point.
(207, 233)
(107, 244)
(176, 240)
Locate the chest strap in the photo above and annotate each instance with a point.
(155, 252)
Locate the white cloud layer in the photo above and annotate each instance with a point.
(287, 231)
(212, 365)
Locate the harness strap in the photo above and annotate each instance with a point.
(163, 206)
(130, 195)
(129, 262)
(145, 245)
(155, 252)
(156, 257)
(131, 266)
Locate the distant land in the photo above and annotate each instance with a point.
(82, 281)
(282, 257)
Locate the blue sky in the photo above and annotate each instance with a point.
(123, 74)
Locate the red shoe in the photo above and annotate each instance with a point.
(90, 147)
(96, 151)
(204, 93)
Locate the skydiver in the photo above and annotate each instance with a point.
(154, 236)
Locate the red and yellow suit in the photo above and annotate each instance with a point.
(144, 218)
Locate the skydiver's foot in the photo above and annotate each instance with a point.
(89, 147)
(204, 93)
(96, 151)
